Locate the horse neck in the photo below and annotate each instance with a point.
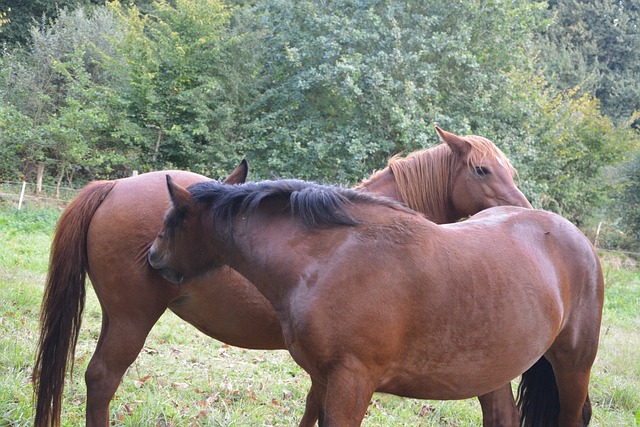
(423, 181)
(381, 183)
(251, 254)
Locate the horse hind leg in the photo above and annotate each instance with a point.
(554, 394)
(572, 356)
(573, 394)
(118, 346)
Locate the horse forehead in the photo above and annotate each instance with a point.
(495, 159)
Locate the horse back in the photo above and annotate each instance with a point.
(562, 253)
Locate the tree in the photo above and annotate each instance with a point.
(24, 14)
(628, 203)
(186, 65)
(313, 89)
(347, 84)
(595, 46)
(60, 93)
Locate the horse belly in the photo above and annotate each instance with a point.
(225, 306)
(453, 382)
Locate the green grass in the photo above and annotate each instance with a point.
(183, 378)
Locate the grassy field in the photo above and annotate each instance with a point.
(183, 378)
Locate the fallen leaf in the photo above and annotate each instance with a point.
(425, 410)
(179, 385)
(149, 350)
(203, 414)
(140, 381)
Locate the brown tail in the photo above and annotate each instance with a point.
(63, 302)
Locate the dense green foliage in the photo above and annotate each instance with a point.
(595, 46)
(347, 83)
(327, 90)
(24, 14)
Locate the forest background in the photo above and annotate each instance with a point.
(328, 90)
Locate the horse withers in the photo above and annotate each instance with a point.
(373, 297)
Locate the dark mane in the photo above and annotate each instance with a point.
(316, 204)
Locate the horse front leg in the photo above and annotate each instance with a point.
(499, 408)
(348, 395)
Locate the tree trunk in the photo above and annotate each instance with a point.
(60, 178)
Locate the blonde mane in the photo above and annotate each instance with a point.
(423, 178)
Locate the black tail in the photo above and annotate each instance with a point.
(538, 399)
(586, 412)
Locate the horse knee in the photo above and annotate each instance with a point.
(100, 380)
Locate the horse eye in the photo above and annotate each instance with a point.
(482, 171)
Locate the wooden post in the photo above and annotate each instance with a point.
(39, 177)
(24, 186)
(597, 239)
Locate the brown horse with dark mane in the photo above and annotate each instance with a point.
(371, 296)
(108, 228)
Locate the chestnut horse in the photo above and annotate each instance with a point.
(108, 228)
(371, 296)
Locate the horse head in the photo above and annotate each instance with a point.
(182, 249)
(482, 176)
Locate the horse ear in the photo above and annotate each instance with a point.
(239, 174)
(180, 196)
(458, 144)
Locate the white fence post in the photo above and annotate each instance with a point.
(24, 185)
(597, 239)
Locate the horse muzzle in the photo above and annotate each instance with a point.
(156, 263)
(515, 198)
